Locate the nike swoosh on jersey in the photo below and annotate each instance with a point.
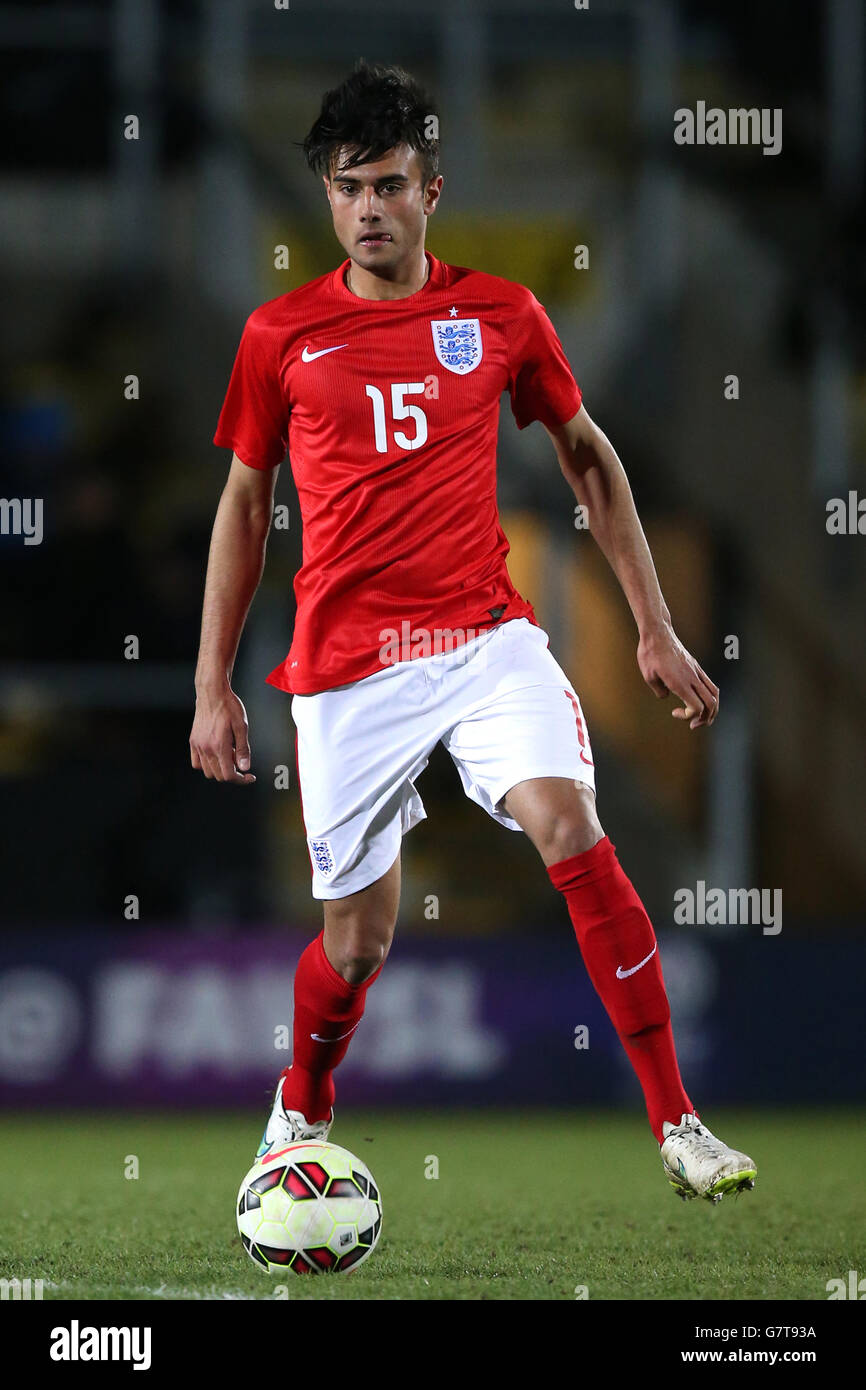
(316, 1037)
(307, 356)
(624, 974)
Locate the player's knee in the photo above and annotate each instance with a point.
(357, 966)
(570, 833)
(356, 950)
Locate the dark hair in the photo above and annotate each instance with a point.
(373, 110)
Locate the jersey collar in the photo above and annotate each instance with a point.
(433, 281)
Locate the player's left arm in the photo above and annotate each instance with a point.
(593, 471)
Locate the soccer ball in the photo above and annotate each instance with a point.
(311, 1207)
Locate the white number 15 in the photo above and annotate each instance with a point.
(399, 411)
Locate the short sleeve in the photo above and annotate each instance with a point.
(540, 381)
(254, 418)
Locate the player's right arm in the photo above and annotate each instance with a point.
(219, 741)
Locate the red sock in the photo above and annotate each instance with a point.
(619, 949)
(326, 1006)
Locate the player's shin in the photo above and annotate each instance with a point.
(620, 951)
(327, 1011)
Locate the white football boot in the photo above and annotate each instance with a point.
(289, 1126)
(698, 1164)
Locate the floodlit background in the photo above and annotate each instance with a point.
(144, 258)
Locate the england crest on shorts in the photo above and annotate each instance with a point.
(321, 850)
(457, 343)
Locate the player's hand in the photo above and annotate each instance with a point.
(219, 744)
(669, 669)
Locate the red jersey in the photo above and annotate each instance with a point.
(389, 410)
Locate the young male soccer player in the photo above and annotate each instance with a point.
(383, 379)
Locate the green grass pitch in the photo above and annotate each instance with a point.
(527, 1205)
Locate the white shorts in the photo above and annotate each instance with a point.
(500, 704)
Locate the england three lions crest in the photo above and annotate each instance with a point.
(457, 343)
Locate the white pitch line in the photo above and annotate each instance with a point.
(164, 1291)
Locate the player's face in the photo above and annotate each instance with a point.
(380, 209)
